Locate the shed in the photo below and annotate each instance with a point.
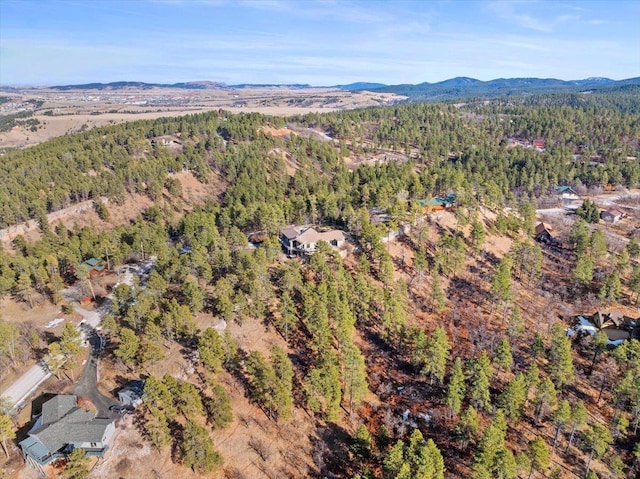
(131, 394)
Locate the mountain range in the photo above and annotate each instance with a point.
(464, 87)
(459, 87)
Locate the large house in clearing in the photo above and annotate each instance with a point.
(304, 240)
(63, 427)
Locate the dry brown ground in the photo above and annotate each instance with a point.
(86, 109)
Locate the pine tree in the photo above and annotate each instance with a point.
(193, 294)
(503, 357)
(561, 416)
(128, 348)
(513, 397)
(282, 389)
(537, 346)
(560, 357)
(211, 350)
(598, 439)
(578, 420)
(218, 407)
(478, 234)
(7, 431)
(438, 298)
(456, 389)
(197, 449)
(157, 430)
(501, 283)
(480, 375)
(287, 321)
(151, 348)
(394, 460)
(492, 458)
(546, 396)
(598, 244)
(468, 427)
(55, 359)
(361, 444)
(354, 376)
(438, 348)
(539, 455)
(583, 271)
(77, 466)
(10, 345)
(70, 341)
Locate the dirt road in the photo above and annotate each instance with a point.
(19, 391)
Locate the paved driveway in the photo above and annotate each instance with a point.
(87, 385)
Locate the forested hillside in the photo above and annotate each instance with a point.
(440, 353)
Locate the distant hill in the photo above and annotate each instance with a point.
(463, 87)
(194, 85)
(271, 85)
(454, 88)
(358, 86)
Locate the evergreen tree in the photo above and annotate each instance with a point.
(597, 439)
(611, 287)
(438, 298)
(493, 459)
(539, 455)
(157, 430)
(579, 237)
(560, 357)
(578, 420)
(537, 346)
(561, 416)
(218, 407)
(501, 283)
(503, 357)
(7, 431)
(456, 389)
(480, 375)
(478, 235)
(55, 359)
(513, 397)
(282, 389)
(128, 348)
(197, 449)
(70, 341)
(211, 350)
(361, 444)
(598, 245)
(468, 427)
(10, 345)
(546, 396)
(589, 211)
(354, 376)
(583, 271)
(77, 466)
(438, 348)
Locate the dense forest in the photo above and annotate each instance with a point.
(501, 390)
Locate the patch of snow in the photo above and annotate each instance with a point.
(54, 322)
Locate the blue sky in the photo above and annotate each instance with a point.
(322, 42)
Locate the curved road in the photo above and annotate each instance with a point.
(87, 385)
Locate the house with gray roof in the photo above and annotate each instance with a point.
(63, 427)
(131, 394)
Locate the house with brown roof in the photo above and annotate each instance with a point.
(304, 240)
(611, 216)
(543, 234)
